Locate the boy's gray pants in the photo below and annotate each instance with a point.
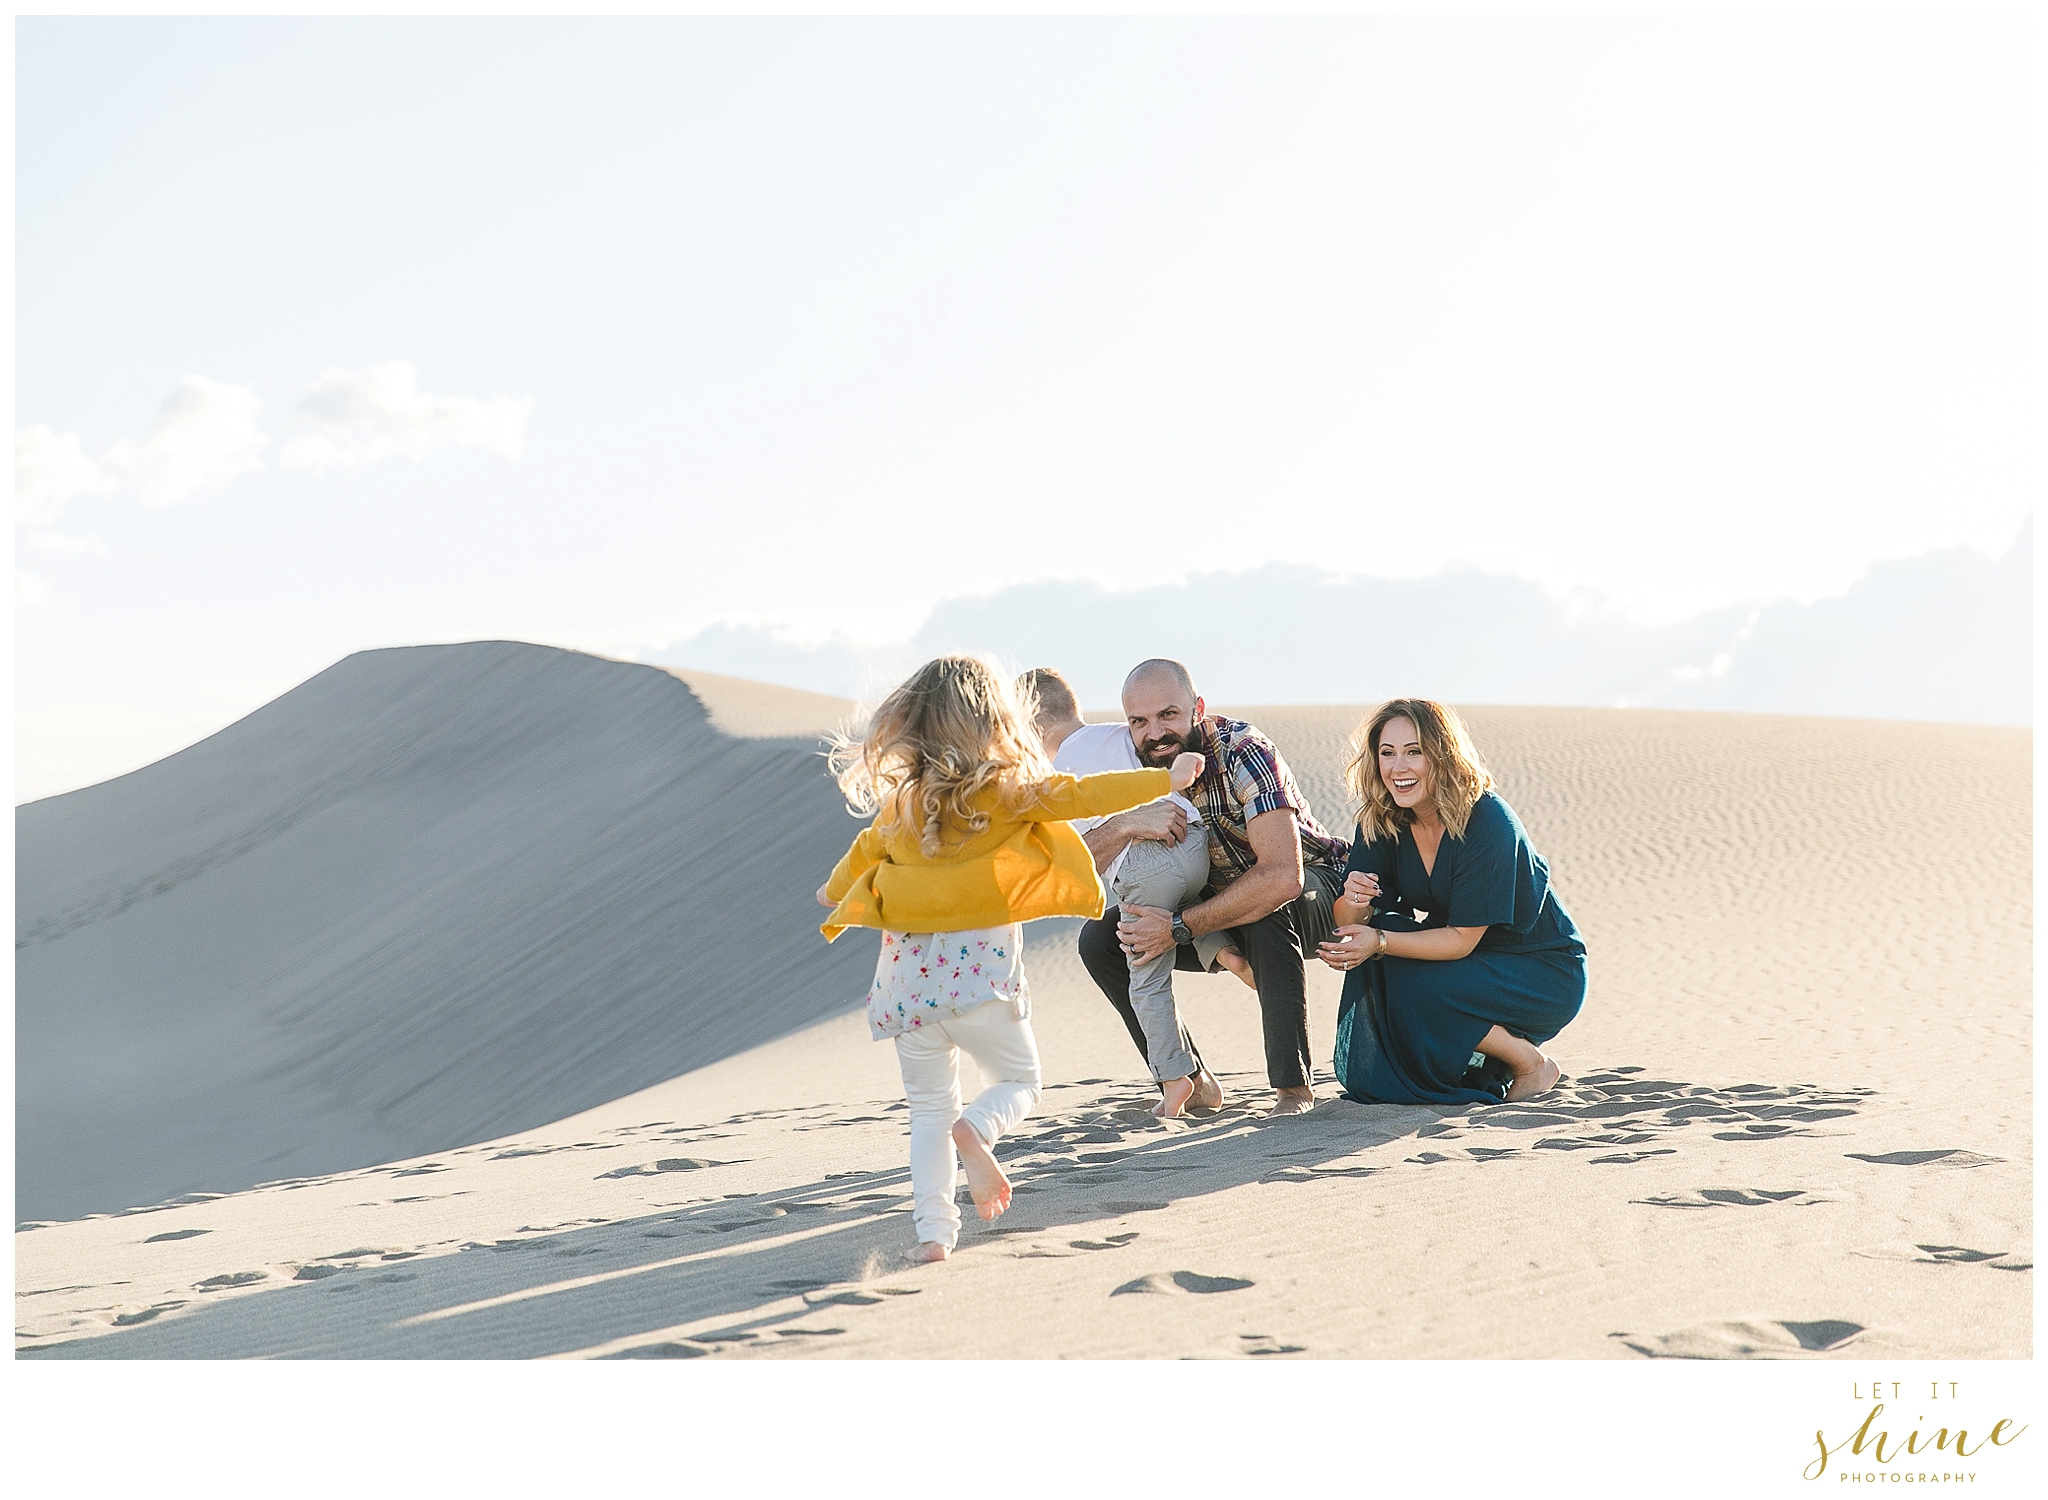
(1156, 873)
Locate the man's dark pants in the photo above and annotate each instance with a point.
(1275, 946)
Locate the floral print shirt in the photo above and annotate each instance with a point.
(923, 977)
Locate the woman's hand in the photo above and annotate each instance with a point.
(1354, 902)
(1186, 767)
(825, 900)
(1352, 946)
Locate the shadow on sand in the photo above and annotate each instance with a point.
(795, 1264)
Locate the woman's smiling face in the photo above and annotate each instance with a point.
(1402, 766)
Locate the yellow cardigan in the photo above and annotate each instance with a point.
(1026, 865)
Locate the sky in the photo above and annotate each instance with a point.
(342, 334)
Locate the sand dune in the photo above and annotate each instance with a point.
(1796, 1124)
(431, 896)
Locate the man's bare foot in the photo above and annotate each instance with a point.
(924, 1252)
(1208, 1092)
(1174, 1094)
(1540, 1079)
(985, 1180)
(1236, 962)
(1292, 1101)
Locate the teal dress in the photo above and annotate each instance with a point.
(1407, 1027)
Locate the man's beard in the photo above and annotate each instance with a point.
(1160, 752)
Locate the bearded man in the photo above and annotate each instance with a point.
(1273, 873)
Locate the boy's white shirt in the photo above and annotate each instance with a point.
(1107, 747)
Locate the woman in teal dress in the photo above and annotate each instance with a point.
(1453, 946)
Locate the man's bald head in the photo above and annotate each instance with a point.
(1162, 671)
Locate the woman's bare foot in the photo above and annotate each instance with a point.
(1208, 1092)
(1292, 1101)
(1236, 962)
(1540, 1079)
(924, 1252)
(1174, 1094)
(985, 1180)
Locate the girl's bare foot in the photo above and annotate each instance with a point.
(924, 1252)
(1292, 1101)
(985, 1180)
(1236, 962)
(1540, 1079)
(1174, 1094)
(1208, 1092)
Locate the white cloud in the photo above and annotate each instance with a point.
(1615, 70)
(50, 468)
(204, 436)
(362, 416)
(29, 590)
(58, 542)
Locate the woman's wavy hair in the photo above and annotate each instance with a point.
(1455, 770)
(953, 729)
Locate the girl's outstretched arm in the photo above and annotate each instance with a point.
(1063, 797)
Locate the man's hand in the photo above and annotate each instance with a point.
(825, 900)
(1162, 820)
(1145, 931)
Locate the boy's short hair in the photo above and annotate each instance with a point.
(1050, 693)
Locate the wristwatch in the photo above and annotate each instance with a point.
(1181, 935)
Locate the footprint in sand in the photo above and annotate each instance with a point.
(1121, 1206)
(1318, 1174)
(669, 1349)
(1176, 1282)
(231, 1278)
(1265, 1343)
(1949, 1158)
(176, 1234)
(1962, 1255)
(1762, 1339)
(1732, 1198)
(666, 1164)
(862, 1299)
(1948, 1255)
(1753, 1133)
(143, 1314)
(1111, 1242)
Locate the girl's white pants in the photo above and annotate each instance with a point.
(1002, 1045)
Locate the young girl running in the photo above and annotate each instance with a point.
(969, 841)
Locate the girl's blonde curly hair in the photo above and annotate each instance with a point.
(1458, 779)
(955, 728)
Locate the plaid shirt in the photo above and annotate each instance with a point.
(1243, 778)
